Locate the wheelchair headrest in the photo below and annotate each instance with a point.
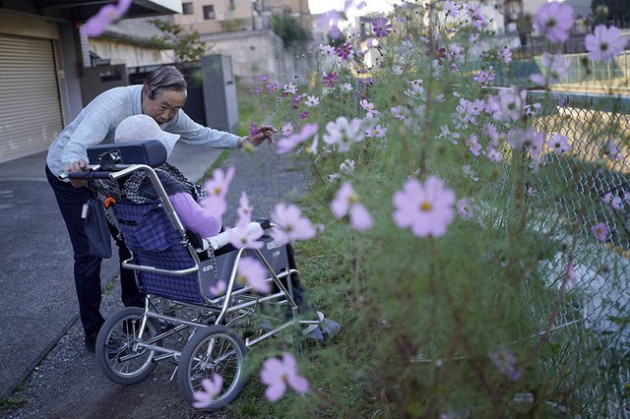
(151, 152)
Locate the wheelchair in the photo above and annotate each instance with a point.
(183, 322)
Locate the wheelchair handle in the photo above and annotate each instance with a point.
(88, 175)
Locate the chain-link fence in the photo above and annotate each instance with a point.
(584, 198)
(583, 74)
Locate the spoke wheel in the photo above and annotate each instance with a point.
(212, 350)
(119, 353)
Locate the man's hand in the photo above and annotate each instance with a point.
(77, 166)
(265, 132)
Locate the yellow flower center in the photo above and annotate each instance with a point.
(425, 206)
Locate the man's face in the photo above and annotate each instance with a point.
(165, 105)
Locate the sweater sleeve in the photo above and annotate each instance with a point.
(194, 216)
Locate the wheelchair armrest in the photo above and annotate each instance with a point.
(264, 223)
(221, 239)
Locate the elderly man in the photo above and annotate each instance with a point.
(161, 97)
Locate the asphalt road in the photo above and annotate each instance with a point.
(45, 339)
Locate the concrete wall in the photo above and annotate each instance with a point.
(253, 52)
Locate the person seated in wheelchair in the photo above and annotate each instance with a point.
(183, 194)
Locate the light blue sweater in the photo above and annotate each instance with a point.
(98, 121)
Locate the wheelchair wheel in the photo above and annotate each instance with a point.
(213, 349)
(117, 353)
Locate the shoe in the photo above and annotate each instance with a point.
(308, 330)
(90, 342)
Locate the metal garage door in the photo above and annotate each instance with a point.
(30, 111)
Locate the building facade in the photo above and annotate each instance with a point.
(42, 61)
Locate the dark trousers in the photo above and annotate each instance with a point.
(87, 268)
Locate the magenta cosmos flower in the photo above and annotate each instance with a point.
(345, 50)
(330, 79)
(427, 209)
(605, 43)
(276, 374)
(554, 20)
(381, 27)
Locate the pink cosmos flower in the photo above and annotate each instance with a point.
(343, 133)
(287, 144)
(211, 387)
(470, 173)
(558, 143)
(271, 87)
(505, 54)
(426, 208)
(554, 20)
(244, 236)
(611, 150)
(400, 112)
(276, 374)
(556, 68)
(446, 133)
(504, 360)
(509, 104)
(216, 191)
(331, 19)
(465, 209)
(485, 76)
(293, 226)
(381, 27)
(218, 289)
(326, 49)
(615, 202)
(473, 145)
(244, 210)
(377, 131)
(451, 8)
(96, 25)
(287, 129)
(347, 201)
(251, 272)
(529, 140)
(605, 43)
(600, 230)
(347, 166)
(493, 154)
(369, 108)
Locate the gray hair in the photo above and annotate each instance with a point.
(166, 77)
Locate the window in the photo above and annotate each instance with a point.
(208, 12)
(231, 5)
(187, 8)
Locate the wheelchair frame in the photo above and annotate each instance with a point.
(131, 342)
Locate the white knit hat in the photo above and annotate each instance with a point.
(143, 128)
